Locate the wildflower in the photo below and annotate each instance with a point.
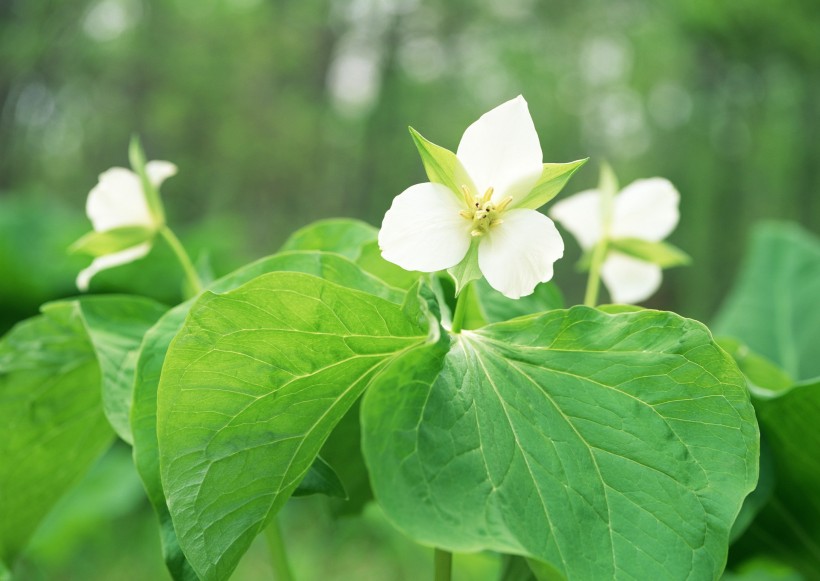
(478, 212)
(632, 225)
(123, 221)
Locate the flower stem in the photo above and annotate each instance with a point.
(594, 280)
(184, 260)
(461, 309)
(443, 565)
(278, 554)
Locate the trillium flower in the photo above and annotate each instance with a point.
(123, 220)
(478, 212)
(632, 225)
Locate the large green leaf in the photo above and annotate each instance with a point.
(788, 527)
(774, 305)
(356, 241)
(251, 388)
(116, 325)
(609, 446)
(53, 423)
(152, 356)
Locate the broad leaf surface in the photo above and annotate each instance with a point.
(116, 326)
(773, 307)
(356, 241)
(251, 388)
(51, 411)
(155, 347)
(609, 446)
(788, 527)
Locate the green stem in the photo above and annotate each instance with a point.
(184, 259)
(461, 309)
(443, 565)
(594, 280)
(279, 555)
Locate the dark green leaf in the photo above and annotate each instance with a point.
(580, 439)
(251, 388)
(321, 479)
(51, 412)
(774, 306)
(496, 307)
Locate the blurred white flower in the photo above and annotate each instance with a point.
(645, 210)
(430, 227)
(118, 202)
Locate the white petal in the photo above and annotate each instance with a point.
(109, 261)
(501, 150)
(581, 215)
(118, 200)
(517, 254)
(646, 209)
(159, 171)
(628, 279)
(423, 230)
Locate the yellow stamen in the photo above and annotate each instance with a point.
(488, 195)
(503, 204)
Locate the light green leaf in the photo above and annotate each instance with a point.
(774, 307)
(442, 166)
(51, 412)
(251, 388)
(116, 325)
(356, 241)
(609, 446)
(137, 158)
(467, 270)
(110, 241)
(660, 253)
(553, 179)
(154, 348)
(788, 527)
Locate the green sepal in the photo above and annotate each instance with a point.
(111, 241)
(765, 379)
(442, 165)
(553, 178)
(660, 253)
(137, 158)
(467, 270)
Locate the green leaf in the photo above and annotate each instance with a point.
(442, 166)
(321, 479)
(788, 527)
(763, 376)
(467, 270)
(496, 307)
(51, 412)
(110, 241)
(251, 388)
(553, 179)
(116, 325)
(774, 307)
(137, 158)
(608, 446)
(155, 347)
(660, 253)
(356, 241)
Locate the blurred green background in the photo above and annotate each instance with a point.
(279, 113)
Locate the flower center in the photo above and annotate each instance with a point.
(483, 212)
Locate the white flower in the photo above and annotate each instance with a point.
(431, 227)
(644, 210)
(118, 201)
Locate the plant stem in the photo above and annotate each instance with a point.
(594, 280)
(278, 554)
(443, 565)
(184, 259)
(461, 309)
